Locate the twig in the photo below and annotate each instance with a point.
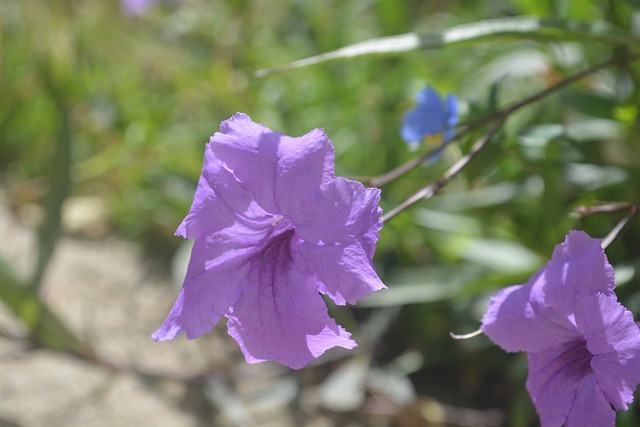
(619, 228)
(434, 188)
(585, 211)
(502, 114)
(633, 210)
(466, 336)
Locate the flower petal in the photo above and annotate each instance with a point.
(281, 316)
(346, 273)
(217, 199)
(452, 110)
(578, 267)
(276, 168)
(250, 151)
(589, 407)
(341, 213)
(452, 117)
(304, 163)
(517, 321)
(136, 7)
(614, 339)
(554, 376)
(213, 282)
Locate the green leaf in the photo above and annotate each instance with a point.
(493, 195)
(624, 274)
(594, 130)
(494, 94)
(447, 221)
(45, 328)
(540, 135)
(420, 285)
(500, 255)
(634, 3)
(492, 282)
(589, 103)
(534, 139)
(60, 179)
(518, 27)
(592, 177)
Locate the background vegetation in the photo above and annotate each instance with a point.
(114, 109)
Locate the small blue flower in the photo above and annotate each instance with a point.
(432, 120)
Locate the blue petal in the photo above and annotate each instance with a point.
(429, 97)
(432, 116)
(452, 110)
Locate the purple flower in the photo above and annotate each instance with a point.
(432, 120)
(136, 7)
(273, 230)
(583, 346)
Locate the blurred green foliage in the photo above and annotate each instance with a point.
(136, 98)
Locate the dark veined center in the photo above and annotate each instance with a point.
(273, 273)
(276, 255)
(573, 363)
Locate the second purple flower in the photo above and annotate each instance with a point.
(583, 345)
(273, 229)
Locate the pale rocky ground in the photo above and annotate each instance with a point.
(114, 297)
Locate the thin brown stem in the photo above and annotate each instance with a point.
(501, 114)
(619, 228)
(435, 187)
(585, 211)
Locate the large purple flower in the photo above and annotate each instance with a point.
(583, 346)
(273, 229)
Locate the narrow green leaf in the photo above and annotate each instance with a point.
(493, 282)
(60, 179)
(589, 103)
(592, 177)
(500, 255)
(494, 94)
(540, 135)
(514, 27)
(45, 328)
(448, 222)
(594, 130)
(419, 285)
(634, 3)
